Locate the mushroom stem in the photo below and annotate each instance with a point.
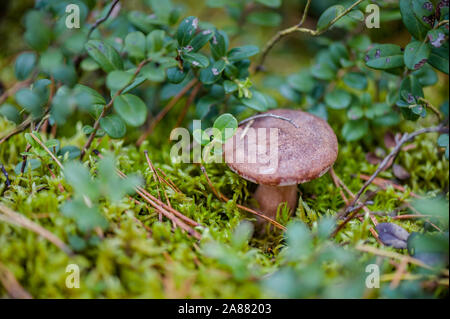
(270, 197)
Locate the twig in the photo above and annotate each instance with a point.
(11, 285)
(254, 117)
(14, 89)
(297, 28)
(166, 210)
(47, 150)
(9, 216)
(225, 199)
(164, 111)
(107, 107)
(8, 182)
(100, 21)
(169, 182)
(189, 102)
(405, 138)
(391, 254)
(22, 126)
(431, 107)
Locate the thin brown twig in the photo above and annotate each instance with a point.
(101, 20)
(225, 199)
(10, 216)
(189, 102)
(164, 111)
(169, 182)
(47, 150)
(405, 138)
(13, 288)
(297, 28)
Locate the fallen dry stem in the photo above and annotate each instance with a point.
(10, 216)
(225, 199)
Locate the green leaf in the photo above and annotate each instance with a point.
(426, 75)
(131, 109)
(267, 19)
(204, 105)
(117, 80)
(227, 125)
(439, 58)
(323, 71)
(105, 55)
(229, 86)
(257, 102)
(155, 41)
(201, 39)
(416, 54)
(186, 30)
(410, 20)
(328, 16)
(384, 56)
(30, 101)
(154, 72)
(243, 52)
(175, 75)
(212, 73)
(355, 80)
(135, 44)
(424, 12)
(302, 82)
(38, 34)
(113, 126)
(10, 112)
(355, 130)
(25, 63)
(219, 44)
(338, 99)
(355, 113)
(196, 59)
(95, 97)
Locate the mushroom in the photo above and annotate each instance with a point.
(305, 149)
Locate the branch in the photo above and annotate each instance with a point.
(100, 21)
(405, 138)
(297, 28)
(268, 115)
(107, 107)
(10, 216)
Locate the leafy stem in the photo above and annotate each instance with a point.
(108, 107)
(297, 28)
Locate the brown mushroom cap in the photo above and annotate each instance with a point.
(304, 153)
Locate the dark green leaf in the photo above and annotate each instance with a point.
(219, 44)
(25, 63)
(186, 30)
(117, 80)
(135, 45)
(105, 55)
(416, 54)
(302, 82)
(196, 59)
(131, 109)
(328, 16)
(384, 56)
(414, 26)
(355, 80)
(243, 52)
(113, 126)
(338, 99)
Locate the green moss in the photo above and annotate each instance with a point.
(130, 261)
